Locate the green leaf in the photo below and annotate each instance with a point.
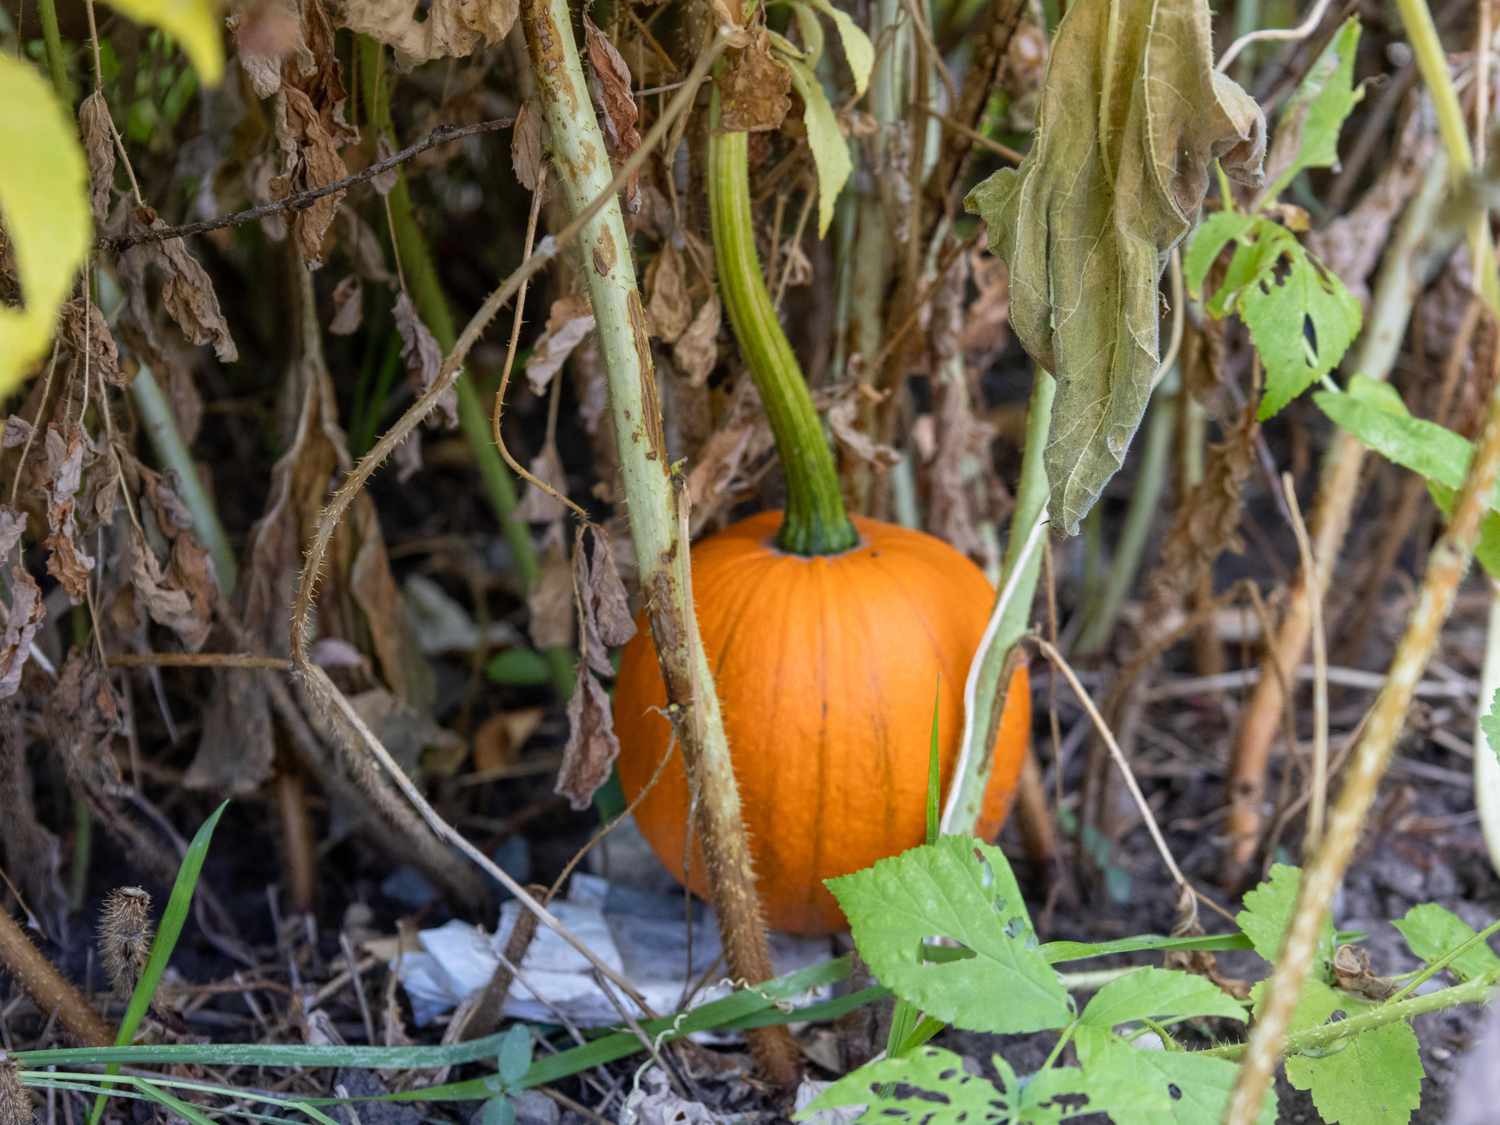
(858, 51)
(1132, 116)
(167, 933)
(1213, 234)
(1268, 911)
(1432, 932)
(1373, 412)
(1374, 1078)
(1490, 723)
(932, 1087)
(1307, 133)
(1140, 1086)
(196, 24)
(963, 890)
(522, 667)
(1161, 995)
(44, 206)
(497, 1111)
(514, 1057)
(829, 149)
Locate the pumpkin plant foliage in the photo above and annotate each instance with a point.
(1133, 114)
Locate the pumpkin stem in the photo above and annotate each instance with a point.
(815, 522)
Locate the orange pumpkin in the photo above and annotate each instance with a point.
(826, 667)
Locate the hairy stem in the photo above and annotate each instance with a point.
(815, 522)
(51, 991)
(654, 502)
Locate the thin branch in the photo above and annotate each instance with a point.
(443, 134)
(1275, 34)
(1319, 793)
(197, 660)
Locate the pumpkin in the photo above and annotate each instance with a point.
(826, 668)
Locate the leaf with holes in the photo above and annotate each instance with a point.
(962, 890)
(1138, 1086)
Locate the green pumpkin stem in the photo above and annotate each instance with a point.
(815, 522)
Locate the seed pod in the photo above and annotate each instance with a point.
(125, 935)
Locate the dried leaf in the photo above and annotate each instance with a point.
(602, 592)
(1132, 116)
(550, 602)
(592, 746)
(422, 356)
(310, 159)
(569, 321)
(181, 594)
(348, 306)
(99, 150)
(696, 350)
(187, 292)
(669, 310)
(526, 146)
(363, 246)
(23, 616)
(67, 561)
(611, 89)
(851, 439)
(84, 332)
(421, 31)
(168, 604)
(537, 504)
(266, 33)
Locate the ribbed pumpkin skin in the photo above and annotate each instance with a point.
(826, 670)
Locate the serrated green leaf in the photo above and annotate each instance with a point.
(1132, 116)
(963, 890)
(932, 1087)
(1431, 932)
(1373, 412)
(1268, 911)
(1140, 1086)
(859, 53)
(829, 148)
(195, 24)
(1162, 995)
(44, 206)
(1374, 1078)
(1208, 241)
(1279, 314)
(1307, 133)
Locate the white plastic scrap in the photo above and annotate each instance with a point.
(642, 936)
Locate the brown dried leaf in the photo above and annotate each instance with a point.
(420, 32)
(310, 159)
(550, 602)
(19, 620)
(611, 88)
(696, 350)
(423, 357)
(754, 88)
(99, 147)
(570, 320)
(669, 310)
(538, 505)
(500, 739)
(180, 595)
(526, 146)
(592, 746)
(363, 247)
(167, 604)
(87, 336)
(602, 592)
(187, 292)
(851, 439)
(67, 561)
(266, 33)
(401, 728)
(348, 306)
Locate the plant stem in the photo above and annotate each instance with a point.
(976, 755)
(656, 511)
(57, 62)
(52, 992)
(1486, 764)
(815, 522)
(427, 294)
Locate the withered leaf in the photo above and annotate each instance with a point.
(612, 91)
(550, 602)
(167, 602)
(67, 561)
(20, 620)
(420, 31)
(187, 292)
(526, 145)
(267, 32)
(348, 306)
(87, 336)
(569, 321)
(592, 746)
(754, 88)
(310, 159)
(99, 147)
(845, 428)
(537, 504)
(422, 356)
(696, 350)
(668, 307)
(1132, 116)
(363, 247)
(602, 592)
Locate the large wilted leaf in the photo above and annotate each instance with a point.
(1132, 117)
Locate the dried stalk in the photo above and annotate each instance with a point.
(658, 515)
(51, 991)
(1395, 293)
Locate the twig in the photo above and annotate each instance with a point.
(1004, 152)
(52, 992)
(443, 134)
(1275, 34)
(197, 660)
(1319, 793)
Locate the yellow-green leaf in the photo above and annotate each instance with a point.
(830, 150)
(859, 52)
(44, 205)
(195, 24)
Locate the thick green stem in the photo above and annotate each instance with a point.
(815, 522)
(57, 62)
(984, 698)
(427, 294)
(657, 519)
